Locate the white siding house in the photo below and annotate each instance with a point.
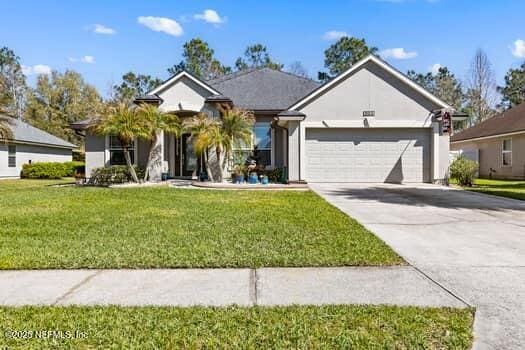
(30, 145)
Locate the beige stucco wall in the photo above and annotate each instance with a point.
(95, 152)
(370, 88)
(96, 155)
(490, 156)
(33, 153)
(396, 105)
(183, 94)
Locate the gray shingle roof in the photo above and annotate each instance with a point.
(510, 121)
(24, 132)
(263, 88)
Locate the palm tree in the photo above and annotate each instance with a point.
(200, 128)
(218, 140)
(156, 121)
(5, 129)
(237, 126)
(122, 122)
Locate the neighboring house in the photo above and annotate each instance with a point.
(497, 143)
(29, 145)
(369, 124)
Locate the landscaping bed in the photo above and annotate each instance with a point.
(42, 226)
(295, 327)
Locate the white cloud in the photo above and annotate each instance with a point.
(434, 69)
(36, 69)
(518, 49)
(398, 53)
(161, 24)
(88, 59)
(102, 29)
(84, 59)
(210, 16)
(334, 35)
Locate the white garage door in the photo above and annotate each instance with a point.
(367, 155)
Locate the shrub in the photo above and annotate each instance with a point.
(72, 168)
(115, 174)
(463, 170)
(43, 170)
(276, 175)
(49, 170)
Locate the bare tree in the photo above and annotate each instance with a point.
(481, 88)
(298, 69)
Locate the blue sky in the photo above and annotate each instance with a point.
(63, 34)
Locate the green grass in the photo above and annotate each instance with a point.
(42, 226)
(296, 327)
(503, 188)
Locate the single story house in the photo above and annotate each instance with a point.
(498, 144)
(369, 124)
(30, 144)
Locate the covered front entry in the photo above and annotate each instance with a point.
(182, 159)
(367, 155)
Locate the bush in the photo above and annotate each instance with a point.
(115, 174)
(464, 171)
(72, 168)
(50, 170)
(276, 175)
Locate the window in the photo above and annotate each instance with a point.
(260, 147)
(116, 152)
(11, 156)
(506, 152)
(262, 143)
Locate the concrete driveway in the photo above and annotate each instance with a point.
(472, 244)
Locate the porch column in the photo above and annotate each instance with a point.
(435, 152)
(294, 150)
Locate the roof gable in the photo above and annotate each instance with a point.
(507, 122)
(165, 85)
(298, 105)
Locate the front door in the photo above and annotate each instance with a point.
(189, 159)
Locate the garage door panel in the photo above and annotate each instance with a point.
(367, 155)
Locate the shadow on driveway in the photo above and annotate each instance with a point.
(422, 196)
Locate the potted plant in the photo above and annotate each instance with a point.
(253, 178)
(238, 174)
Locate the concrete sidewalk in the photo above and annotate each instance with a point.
(403, 285)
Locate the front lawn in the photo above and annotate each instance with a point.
(295, 327)
(68, 227)
(504, 188)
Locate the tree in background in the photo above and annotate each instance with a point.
(481, 89)
(12, 83)
(5, 128)
(256, 56)
(513, 92)
(298, 69)
(60, 99)
(134, 85)
(344, 54)
(443, 84)
(198, 59)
